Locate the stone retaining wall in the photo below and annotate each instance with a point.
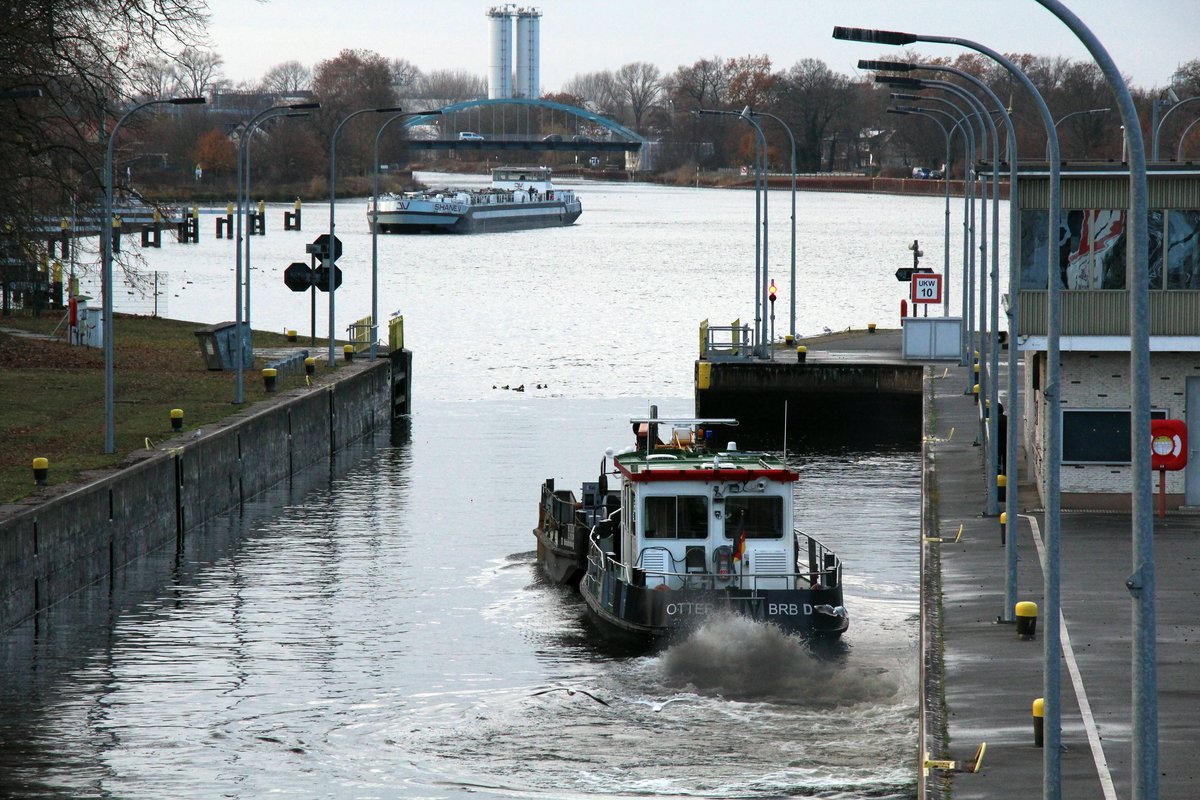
(53, 546)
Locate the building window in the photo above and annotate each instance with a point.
(683, 517)
(761, 517)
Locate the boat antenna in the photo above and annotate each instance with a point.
(785, 410)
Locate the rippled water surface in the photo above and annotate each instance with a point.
(384, 633)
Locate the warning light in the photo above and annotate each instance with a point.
(772, 290)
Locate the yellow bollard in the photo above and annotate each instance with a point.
(1026, 612)
(975, 392)
(41, 467)
(291, 335)
(310, 366)
(801, 353)
(1039, 713)
(176, 419)
(1003, 527)
(348, 352)
(870, 327)
(789, 340)
(269, 374)
(1001, 487)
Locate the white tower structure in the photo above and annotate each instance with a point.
(500, 62)
(529, 79)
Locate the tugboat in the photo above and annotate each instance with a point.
(701, 530)
(564, 522)
(519, 198)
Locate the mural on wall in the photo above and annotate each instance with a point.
(1091, 249)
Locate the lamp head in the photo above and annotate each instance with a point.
(900, 111)
(745, 113)
(188, 101)
(309, 105)
(905, 83)
(903, 96)
(887, 66)
(388, 110)
(873, 36)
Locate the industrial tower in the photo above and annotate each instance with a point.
(527, 45)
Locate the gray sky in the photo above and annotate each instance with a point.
(1148, 39)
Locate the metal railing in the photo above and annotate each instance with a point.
(727, 342)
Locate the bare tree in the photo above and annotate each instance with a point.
(447, 86)
(154, 78)
(286, 78)
(639, 85)
(811, 96)
(198, 70)
(405, 75)
(598, 90)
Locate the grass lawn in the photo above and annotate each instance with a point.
(52, 394)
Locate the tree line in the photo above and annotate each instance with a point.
(92, 63)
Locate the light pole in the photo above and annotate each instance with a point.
(1014, 285)
(1183, 138)
(1066, 117)
(1141, 583)
(242, 322)
(1052, 641)
(106, 259)
(330, 266)
(760, 220)
(792, 140)
(1161, 122)
(375, 219)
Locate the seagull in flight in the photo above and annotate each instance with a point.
(658, 706)
(571, 692)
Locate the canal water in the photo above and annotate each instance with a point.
(379, 630)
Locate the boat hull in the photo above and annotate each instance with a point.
(629, 611)
(559, 561)
(427, 217)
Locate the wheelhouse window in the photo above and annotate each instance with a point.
(760, 517)
(684, 517)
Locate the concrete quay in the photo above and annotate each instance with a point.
(980, 678)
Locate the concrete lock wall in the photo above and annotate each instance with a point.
(57, 547)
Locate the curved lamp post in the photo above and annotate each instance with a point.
(792, 140)
(1066, 117)
(375, 216)
(1052, 641)
(760, 220)
(242, 322)
(1159, 126)
(1183, 138)
(106, 258)
(333, 207)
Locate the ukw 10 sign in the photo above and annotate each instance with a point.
(926, 287)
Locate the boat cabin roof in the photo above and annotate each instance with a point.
(685, 455)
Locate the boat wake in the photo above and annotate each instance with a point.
(740, 659)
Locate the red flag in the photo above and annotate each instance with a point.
(740, 548)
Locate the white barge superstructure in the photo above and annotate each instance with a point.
(518, 198)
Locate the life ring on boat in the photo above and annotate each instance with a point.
(662, 587)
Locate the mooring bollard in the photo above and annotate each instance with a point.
(801, 353)
(1001, 487)
(1039, 714)
(291, 335)
(1003, 527)
(116, 234)
(269, 374)
(176, 419)
(870, 327)
(348, 352)
(310, 366)
(975, 391)
(41, 467)
(1026, 611)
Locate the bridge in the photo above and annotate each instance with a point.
(528, 124)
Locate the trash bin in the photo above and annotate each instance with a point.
(217, 346)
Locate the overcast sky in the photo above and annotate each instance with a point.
(1148, 39)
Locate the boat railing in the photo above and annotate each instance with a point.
(727, 342)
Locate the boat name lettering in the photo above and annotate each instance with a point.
(689, 608)
(454, 208)
(789, 609)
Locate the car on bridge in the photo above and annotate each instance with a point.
(470, 136)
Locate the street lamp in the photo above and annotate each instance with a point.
(792, 140)
(106, 258)
(760, 219)
(375, 219)
(330, 267)
(1141, 583)
(1183, 138)
(1066, 117)
(1052, 641)
(242, 322)
(1161, 122)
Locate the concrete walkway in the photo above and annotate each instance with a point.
(981, 678)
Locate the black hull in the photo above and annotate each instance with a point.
(559, 564)
(625, 611)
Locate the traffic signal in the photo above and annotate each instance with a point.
(771, 291)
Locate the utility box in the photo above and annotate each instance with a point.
(932, 338)
(217, 346)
